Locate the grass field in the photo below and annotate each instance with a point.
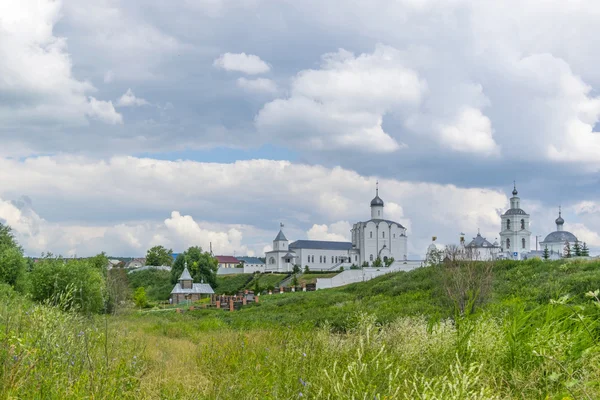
(312, 278)
(537, 336)
(231, 284)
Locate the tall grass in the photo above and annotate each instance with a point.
(514, 348)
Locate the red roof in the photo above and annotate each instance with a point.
(227, 260)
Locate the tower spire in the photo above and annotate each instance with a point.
(515, 192)
(377, 187)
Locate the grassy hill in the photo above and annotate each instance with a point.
(534, 334)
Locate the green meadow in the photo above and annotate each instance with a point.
(534, 334)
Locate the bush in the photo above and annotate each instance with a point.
(139, 298)
(12, 267)
(70, 284)
(157, 283)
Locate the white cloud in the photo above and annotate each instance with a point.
(104, 111)
(247, 63)
(257, 85)
(113, 37)
(342, 104)
(471, 132)
(306, 196)
(338, 232)
(128, 99)
(41, 94)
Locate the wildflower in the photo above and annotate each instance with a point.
(300, 394)
(302, 382)
(15, 358)
(80, 333)
(304, 354)
(72, 363)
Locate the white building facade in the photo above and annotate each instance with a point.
(556, 241)
(481, 249)
(372, 239)
(514, 234)
(378, 237)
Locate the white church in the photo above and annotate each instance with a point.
(515, 238)
(372, 239)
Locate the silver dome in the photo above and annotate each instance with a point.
(377, 201)
(560, 236)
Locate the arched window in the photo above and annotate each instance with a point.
(378, 213)
(383, 234)
(523, 242)
(508, 224)
(371, 235)
(355, 258)
(385, 259)
(522, 224)
(332, 259)
(336, 260)
(371, 257)
(508, 243)
(272, 260)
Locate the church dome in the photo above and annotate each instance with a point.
(515, 211)
(514, 192)
(559, 220)
(560, 236)
(377, 201)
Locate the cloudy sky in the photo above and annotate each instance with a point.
(125, 124)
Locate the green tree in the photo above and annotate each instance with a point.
(70, 284)
(306, 269)
(296, 269)
(585, 252)
(158, 256)
(546, 253)
(202, 266)
(12, 263)
(567, 253)
(295, 281)
(139, 297)
(12, 267)
(7, 238)
(377, 263)
(577, 249)
(389, 261)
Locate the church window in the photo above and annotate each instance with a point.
(371, 235)
(272, 260)
(313, 258)
(371, 257)
(378, 213)
(508, 224)
(332, 259)
(523, 242)
(336, 260)
(508, 243)
(522, 224)
(355, 258)
(383, 234)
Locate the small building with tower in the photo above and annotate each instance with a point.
(185, 289)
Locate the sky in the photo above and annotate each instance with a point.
(128, 124)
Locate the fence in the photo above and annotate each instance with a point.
(365, 274)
